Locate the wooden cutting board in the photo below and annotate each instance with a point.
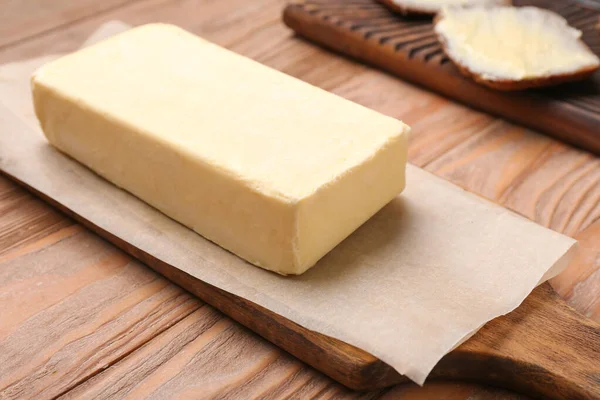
(408, 48)
(544, 348)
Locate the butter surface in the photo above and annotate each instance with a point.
(513, 43)
(267, 166)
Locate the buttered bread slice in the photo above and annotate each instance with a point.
(269, 167)
(512, 48)
(432, 7)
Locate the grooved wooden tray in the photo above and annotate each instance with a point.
(408, 48)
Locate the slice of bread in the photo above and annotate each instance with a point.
(510, 48)
(432, 7)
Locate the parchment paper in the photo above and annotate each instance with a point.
(423, 274)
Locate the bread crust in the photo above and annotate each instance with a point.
(508, 85)
(411, 10)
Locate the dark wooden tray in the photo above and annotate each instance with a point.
(408, 48)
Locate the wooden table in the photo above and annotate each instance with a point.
(78, 318)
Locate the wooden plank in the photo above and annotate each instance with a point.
(580, 283)
(19, 209)
(561, 190)
(209, 356)
(70, 304)
(410, 49)
(22, 19)
(211, 19)
(191, 360)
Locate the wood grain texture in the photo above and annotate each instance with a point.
(580, 283)
(409, 49)
(88, 306)
(70, 304)
(214, 22)
(193, 360)
(25, 219)
(22, 19)
(439, 127)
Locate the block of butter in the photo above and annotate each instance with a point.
(269, 167)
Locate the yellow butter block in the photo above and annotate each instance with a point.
(267, 166)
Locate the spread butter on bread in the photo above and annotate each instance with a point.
(514, 48)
